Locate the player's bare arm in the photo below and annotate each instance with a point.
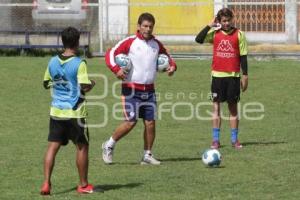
(121, 74)
(244, 82)
(244, 78)
(88, 87)
(47, 84)
(171, 70)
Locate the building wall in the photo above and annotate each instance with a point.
(181, 19)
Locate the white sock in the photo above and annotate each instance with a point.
(147, 152)
(110, 143)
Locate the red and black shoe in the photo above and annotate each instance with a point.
(46, 188)
(215, 144)
(88, 189)
(237, 145)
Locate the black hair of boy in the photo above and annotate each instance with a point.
(70, 38)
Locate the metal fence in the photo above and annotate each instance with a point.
(178, 21)
(262, 17)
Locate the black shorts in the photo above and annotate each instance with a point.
(63, 130)
(225, 89)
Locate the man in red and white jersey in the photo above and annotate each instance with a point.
(138, 92)
(229, 57)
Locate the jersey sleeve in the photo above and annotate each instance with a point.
(210, 36)
(82, 74)
(163, 50)
(121, 47)
(242, 44)
(47, 76)
(47, 83)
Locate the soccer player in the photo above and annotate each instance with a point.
(67, 75)
(138, 92)
(229, 55)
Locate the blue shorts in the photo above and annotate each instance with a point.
(138, 104)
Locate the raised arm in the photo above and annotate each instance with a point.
(202, 35)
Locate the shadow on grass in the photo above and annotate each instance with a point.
(262, 143)
(103, 188)
(125, 163)
(215, 167)
(66, 191)
(180, 159)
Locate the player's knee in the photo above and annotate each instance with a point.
(150, 123)
(233, 109)
(82, 147)
(130, 125)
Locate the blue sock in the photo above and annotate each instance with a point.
(234, 134)
(216, 134)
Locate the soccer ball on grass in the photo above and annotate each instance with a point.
(211, 157)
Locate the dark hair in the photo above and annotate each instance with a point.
(224, 12)
(146, 17)
(70, 37)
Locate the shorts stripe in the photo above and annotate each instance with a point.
(124, 108)
(86, 132)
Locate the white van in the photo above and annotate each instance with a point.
(59, 12)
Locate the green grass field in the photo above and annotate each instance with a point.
(266, 168)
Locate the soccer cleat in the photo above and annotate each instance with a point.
(237, 145)
(88, 189)
(148, 159)
(45, 189)
(215, 144)
(107, 153)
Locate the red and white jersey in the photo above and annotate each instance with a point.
(143, 55)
